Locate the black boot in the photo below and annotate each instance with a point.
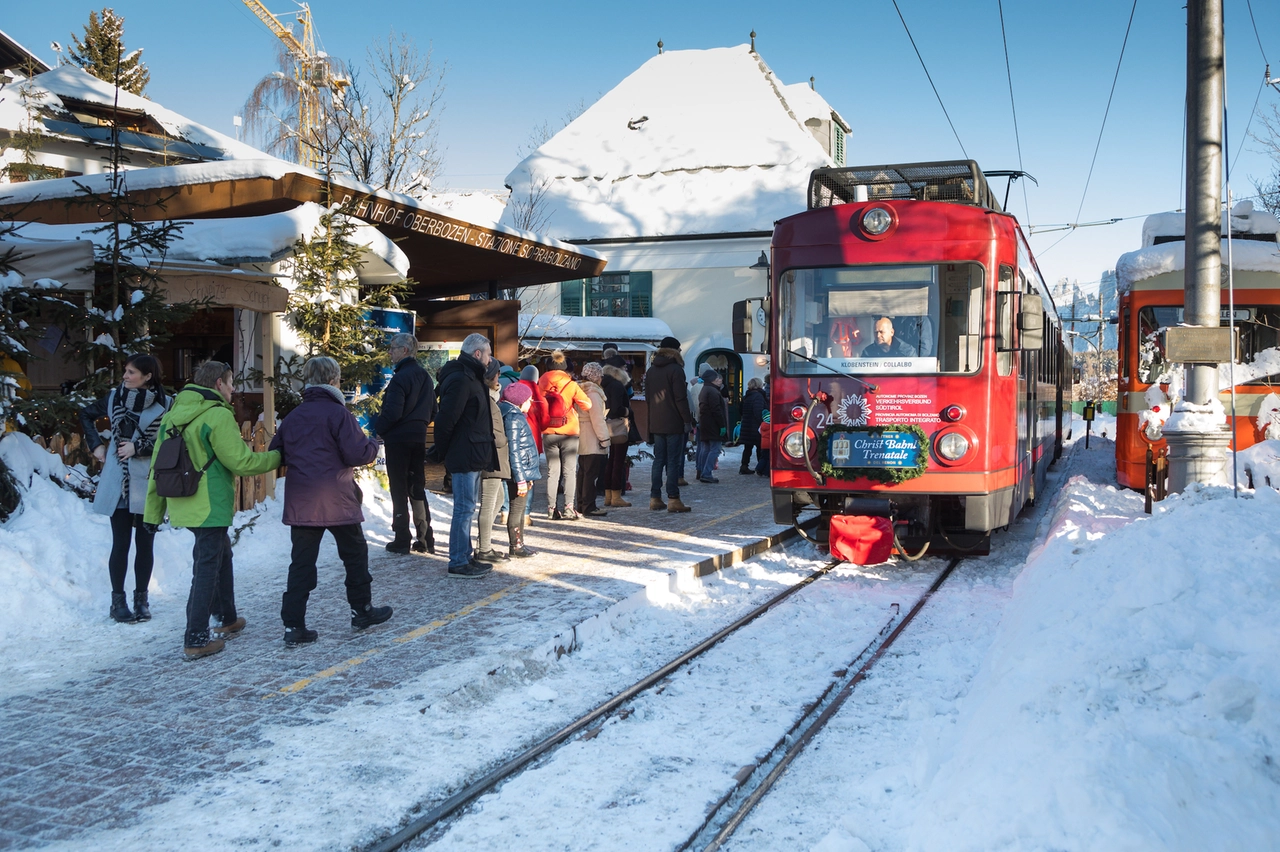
(141, 609)
(369, 615)
(120, 609)
(425, 540)
(518, 547)
(400, 527)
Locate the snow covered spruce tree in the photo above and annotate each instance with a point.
(328, 309)
(102, 53)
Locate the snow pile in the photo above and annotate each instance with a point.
(1244, 220)
(693, 141)
(479, 208)
(1131, 697)
(1247, 256)
(1259, 464)
(1192, 417)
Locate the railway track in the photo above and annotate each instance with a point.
(750, 784)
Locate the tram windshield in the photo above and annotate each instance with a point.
(1257, 348)
(917, 319)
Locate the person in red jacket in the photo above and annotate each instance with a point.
(560, 436)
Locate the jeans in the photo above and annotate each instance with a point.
(126, 527)
(405, 481)
(352, 549)
(212, 584)
(466, 493)
(708, 455)
(668, 452)
(562, 469)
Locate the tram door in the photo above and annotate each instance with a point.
(728, 364)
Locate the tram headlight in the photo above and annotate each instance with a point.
(953, 446)
(793, 445)
(876, 221)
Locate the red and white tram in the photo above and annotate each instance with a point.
(917, 364)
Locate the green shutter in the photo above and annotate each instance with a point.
(839, 153)
(571, 298)
(641, 291)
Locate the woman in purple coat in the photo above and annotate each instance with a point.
(322, 443)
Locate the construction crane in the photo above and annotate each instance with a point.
(312, 70)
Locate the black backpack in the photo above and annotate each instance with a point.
(174, 472)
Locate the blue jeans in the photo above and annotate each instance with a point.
(466, 495)
(708, 455)
(668, 452)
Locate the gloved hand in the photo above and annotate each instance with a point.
(722, 432)
(151, 528)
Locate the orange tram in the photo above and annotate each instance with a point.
(1150, 282)
(917, 367)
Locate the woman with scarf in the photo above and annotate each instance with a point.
(134, 408)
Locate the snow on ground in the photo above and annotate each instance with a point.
(1120, 692)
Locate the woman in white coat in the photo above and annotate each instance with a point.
(134, 408)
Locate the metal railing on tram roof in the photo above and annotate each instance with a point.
(957, 181)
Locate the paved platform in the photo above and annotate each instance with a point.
(93, 753)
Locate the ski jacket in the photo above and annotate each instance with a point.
(713, 414)
(212, 433)
(500, 443)
(574, 400)
(520, 444)
(754, 404)
(464, 425)
(666, 394)
(408, 405)
(322, 444)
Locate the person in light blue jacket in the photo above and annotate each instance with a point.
(134, 408)
(516, 400)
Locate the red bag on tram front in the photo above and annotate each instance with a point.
(861, 539)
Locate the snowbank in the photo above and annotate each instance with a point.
(1132, 695)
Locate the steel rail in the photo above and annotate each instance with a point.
(482, 785)
(752, 787)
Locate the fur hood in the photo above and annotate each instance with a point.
(617, 373)
(666, 356)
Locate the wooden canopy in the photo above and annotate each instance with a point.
(448, 257)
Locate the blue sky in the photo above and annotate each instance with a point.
(512, 65)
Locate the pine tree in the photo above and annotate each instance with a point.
(102, 50)
(327, 308)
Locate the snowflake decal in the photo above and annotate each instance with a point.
(854, 410)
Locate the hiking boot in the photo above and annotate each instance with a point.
(295, 636)
(141, 609)
(471, 571)
(120, 610)
(656, 504)
(674, 505)
(618, 501)
(369, 616)
(490, 555)
(230, 629)
(682, 481)
(206, 647)
(594, 512)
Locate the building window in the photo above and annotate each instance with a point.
(614, 294)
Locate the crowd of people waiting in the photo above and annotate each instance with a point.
(175, 457)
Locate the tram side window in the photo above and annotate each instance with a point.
(882, 319)
(1005, 304)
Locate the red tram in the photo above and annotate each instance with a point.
(917, 364)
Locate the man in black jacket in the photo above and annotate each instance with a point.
(669, 423)
(464, 442)
(408, 405)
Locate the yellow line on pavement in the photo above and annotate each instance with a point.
(431, 627)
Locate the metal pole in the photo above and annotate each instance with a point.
(1199, 456)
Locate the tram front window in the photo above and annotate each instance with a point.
(1257, 347)
(919, 319)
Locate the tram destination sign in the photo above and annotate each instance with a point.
(864, 449)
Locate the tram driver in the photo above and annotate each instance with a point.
(886, 346)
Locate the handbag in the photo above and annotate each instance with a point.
(619, 429)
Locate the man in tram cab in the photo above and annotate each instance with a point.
(885, 345)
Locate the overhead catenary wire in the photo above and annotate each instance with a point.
(1101, 130)
(930, 78)
(1262, 50)
(1013, 107)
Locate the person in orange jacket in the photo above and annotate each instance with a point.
(560, 434)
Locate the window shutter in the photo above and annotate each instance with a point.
(839, 152)
(571, 298)
(641, 291)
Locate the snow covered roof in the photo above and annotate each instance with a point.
(15, 57)
(67, 89)
(480, 207)
(805, 103)
(692, 142)
(1244, 220)
(1248, 256)
(556, 331)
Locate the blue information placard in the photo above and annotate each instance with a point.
(863, 449)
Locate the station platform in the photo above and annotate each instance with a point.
(92, 753)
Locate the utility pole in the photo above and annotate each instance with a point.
(1197, 449)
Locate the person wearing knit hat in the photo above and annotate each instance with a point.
(517, 394)
(713, 424)
(669, 343)
(523, 463)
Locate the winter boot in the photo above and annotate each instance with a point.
(230, 629)
(518, 548)
(203, 646)
(120, 610)
(674, 505)
(369, 616)
(141, 609)
(617, 501)
(656, 504)
(594, 511)
(295, 636)
(425, 542)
